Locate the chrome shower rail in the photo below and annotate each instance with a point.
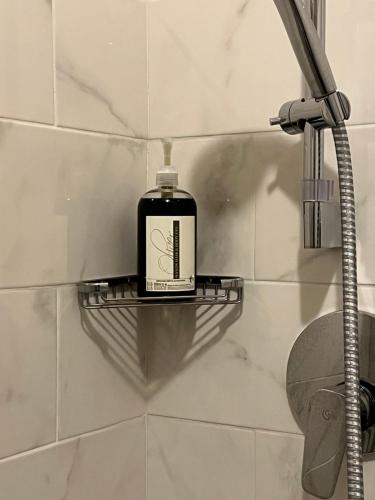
(329, 108)
(122, 293)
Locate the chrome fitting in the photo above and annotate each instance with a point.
(319, 113)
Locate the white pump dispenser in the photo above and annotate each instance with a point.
(167, 174)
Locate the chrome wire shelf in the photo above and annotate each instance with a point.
(122, 293)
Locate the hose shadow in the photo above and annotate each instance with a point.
(234, 177)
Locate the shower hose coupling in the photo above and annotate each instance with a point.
(321, 113)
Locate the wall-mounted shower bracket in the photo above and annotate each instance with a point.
(319, 113)
(318, 190)
(324, 107)
(321, 224)
(321, 214)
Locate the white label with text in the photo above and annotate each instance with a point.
(170, 253)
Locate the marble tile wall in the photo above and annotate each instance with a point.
(195, 461)
(105, 464)
(101, 63)
(87, 90)
(209, 66)
(226, 67)
(217, 72)
(67, 204)
(73, 162)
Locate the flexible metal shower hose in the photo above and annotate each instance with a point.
(350, 306)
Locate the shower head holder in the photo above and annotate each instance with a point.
(319, 113)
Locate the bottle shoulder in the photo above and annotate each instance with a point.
(159, 193)
(167, 202)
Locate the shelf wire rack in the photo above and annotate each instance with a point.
(122, 293)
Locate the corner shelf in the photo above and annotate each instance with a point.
(122, 293)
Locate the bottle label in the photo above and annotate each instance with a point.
(170, 253)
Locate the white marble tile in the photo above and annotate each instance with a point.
(27, 369)
(107, 465)
(279, 215)
(193, 461)
(369, 476)
(362, 142)
(279, 468)
(26, 83)
(101, 59)
(217, 67)
(219, 172)
(72, 200)
(351, 47)
(101, 366)
(279, 252)
(226, 367)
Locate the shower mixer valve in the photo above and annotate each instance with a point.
(325, 436)
(316, 394)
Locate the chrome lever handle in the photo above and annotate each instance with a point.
(325, 442)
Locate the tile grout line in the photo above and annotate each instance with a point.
(255, 237)
(217, 135)
(58, 325)
(70, 439)
(54, 72)
(147, 164)
(148, 70)
(270, 130)
(146, 452)
(255, 464)
(63, 128)
(247, 281)
(225, 425)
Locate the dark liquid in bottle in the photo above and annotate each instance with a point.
(166, 205)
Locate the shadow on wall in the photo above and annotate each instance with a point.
(148, 346)
(233, 172)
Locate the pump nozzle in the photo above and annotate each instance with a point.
(167, 148)
(167, 175)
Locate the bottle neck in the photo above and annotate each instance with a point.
(167, 187)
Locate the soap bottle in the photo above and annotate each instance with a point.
(167, 229)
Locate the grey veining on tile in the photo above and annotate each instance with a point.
(102, 372)
(102, 66)
(73, 199)
(64, 73)
(27, 369)
(208, 80)
(106, 465)
(350, 46)
(243, 360)
(279, 467)
(238, 20)
(193, 461)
